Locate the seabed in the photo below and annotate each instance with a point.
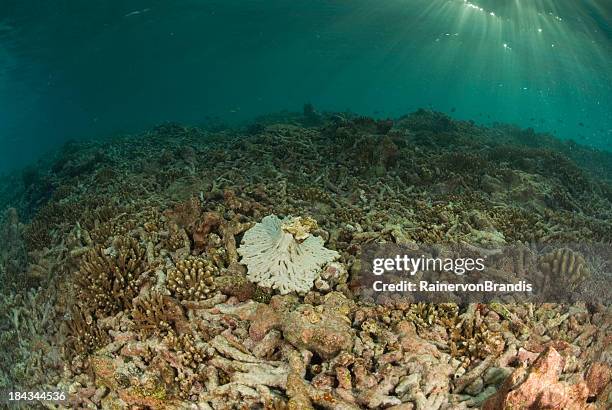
(123, 282)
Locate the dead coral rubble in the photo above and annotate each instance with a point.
(539, 387)
(159, 280)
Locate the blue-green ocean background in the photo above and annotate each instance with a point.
(83, 69)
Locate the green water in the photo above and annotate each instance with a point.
(76, 69)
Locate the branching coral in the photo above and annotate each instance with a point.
(36, 235)
(282, 254)
(13, 256)
(192, 351)
(565, 265)
(109, 279)
(83, 333)
(193, 279)
(29, 337)
(155, 313)
(313, 195)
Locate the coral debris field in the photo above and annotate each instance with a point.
(122, 282)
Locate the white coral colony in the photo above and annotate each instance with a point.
(283, 254)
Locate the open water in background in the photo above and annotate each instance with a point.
(82, 69)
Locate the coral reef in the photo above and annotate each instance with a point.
(13, 255)
(151, 271)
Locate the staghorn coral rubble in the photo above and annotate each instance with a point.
(141, 299)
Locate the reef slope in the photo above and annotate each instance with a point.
(122, 284)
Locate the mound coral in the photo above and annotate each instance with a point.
(283, 254)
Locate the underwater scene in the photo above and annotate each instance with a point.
(307, 204)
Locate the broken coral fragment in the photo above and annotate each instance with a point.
(283, 254)
(325, 331)
(539, 387)
(299, 227)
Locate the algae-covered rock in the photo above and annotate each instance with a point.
(132, 386)
(265, 320)
(324, 329)
(539, 387)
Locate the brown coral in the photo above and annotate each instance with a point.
(156, 313)
(565, 265)
(185, 214)
(37, 235)
(109, 279)
(193, 279)
(84, 335)
(208, 223)
(192, 351)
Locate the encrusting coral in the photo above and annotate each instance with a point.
(283, 254)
